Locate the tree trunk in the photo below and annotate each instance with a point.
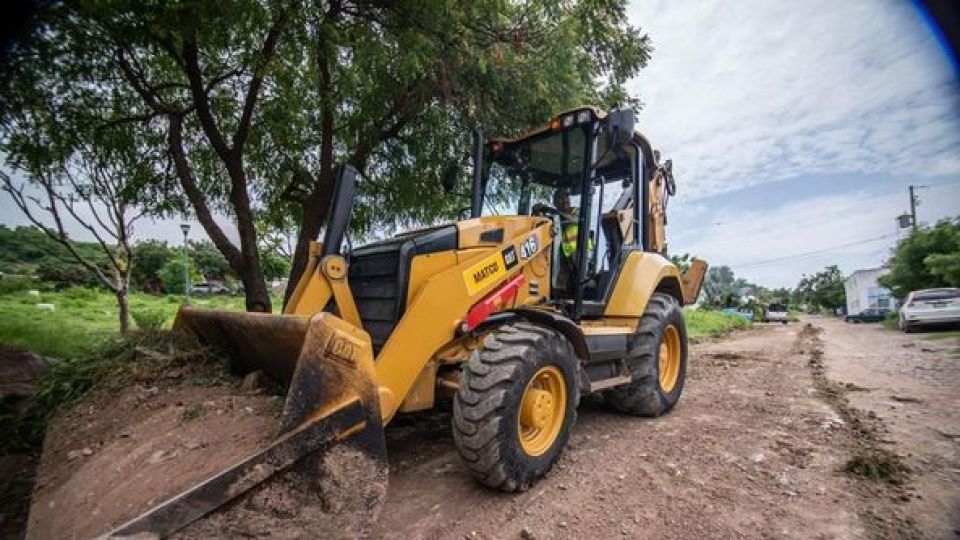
(251, 271)
(256, 293)
(123, 310)
(314, 215)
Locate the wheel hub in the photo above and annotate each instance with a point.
(669, 358)
(537, 408)
(542, 410)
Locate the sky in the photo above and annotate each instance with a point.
(794, 128)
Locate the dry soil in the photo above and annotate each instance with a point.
(756, 448)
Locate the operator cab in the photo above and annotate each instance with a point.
(583, 173)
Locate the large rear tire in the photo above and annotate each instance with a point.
(516, 405)
(657, 358)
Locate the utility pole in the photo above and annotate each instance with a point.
(913, 209)
(185, 227)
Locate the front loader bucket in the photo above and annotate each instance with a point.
(331, 449)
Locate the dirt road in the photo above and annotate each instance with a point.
(912, 382)
(754, 450)
(757, 448)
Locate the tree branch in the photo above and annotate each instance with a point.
(195, 195)
(59, 235)
(253, 91)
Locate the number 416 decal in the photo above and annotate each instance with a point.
(530, 247)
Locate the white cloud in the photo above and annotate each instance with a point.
(750, 92)
(746, 239)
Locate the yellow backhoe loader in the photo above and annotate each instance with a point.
(556, 287)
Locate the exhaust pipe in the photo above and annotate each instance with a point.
(340, 209)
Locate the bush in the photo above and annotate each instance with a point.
(16, 284)
(79, 292)
(172, 276)
(892, 321)
(706, 322)
(64, 273)
(149, 320)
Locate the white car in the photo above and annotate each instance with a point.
(930, 306)
(209, 288)
(776, 313)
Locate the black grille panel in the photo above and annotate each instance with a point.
(379, 275)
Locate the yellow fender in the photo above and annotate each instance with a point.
(641, 275)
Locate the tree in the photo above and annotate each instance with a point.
(781, 295)
(275, 266)
(28, 250)
(682, 262)
(254, 102)
(172, 276)
(208, 261)
(718, 285)
(927, 258)
(150, 255)
(78, 175)
(946, 266)
(824, 289)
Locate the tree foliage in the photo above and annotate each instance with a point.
(64, 172)
(150, 256)
(682, 262)
(717, 285)
(23, 249)
(824, 289)
(248, 105)
(928, 257)
(208, 261)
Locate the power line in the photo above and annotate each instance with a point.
(818, 217)
(941, 184)
(815, 252)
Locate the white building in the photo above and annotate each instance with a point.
(864, 291)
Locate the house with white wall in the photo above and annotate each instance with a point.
(864, 291)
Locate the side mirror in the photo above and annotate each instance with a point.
(620, 124)
(448, 181)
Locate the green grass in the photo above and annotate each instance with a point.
(705, 323)
(84, 319)
(892, 321)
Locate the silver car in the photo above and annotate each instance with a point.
(930, 306)
(776, 313)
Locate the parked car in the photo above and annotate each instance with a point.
(867, 315)
(209, 288)
(776, 313)
(930, 306)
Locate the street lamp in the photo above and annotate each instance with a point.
(185, 227)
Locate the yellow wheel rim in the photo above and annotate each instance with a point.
(542, 410)
(669, 358)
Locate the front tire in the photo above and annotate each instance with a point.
(657, 358)
(516, 404)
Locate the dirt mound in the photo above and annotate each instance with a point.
(111, 457)
(337, 497)
(168, 417)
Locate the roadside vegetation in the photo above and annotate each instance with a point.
(929, 257)
(76, 321)
(710, 323)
